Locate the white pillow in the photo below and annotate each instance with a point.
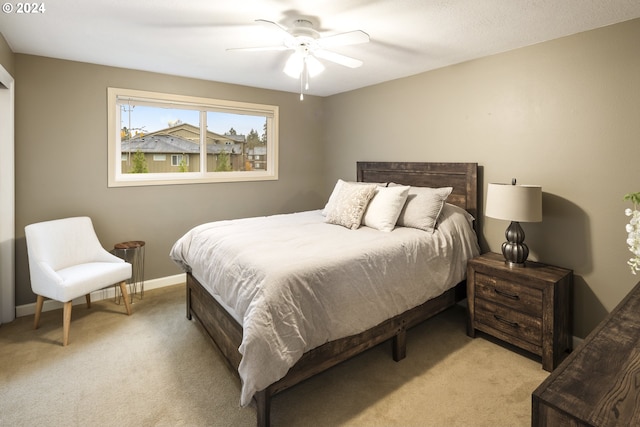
(384, 209)
(449, 210)
(349, 204)
(423, 207)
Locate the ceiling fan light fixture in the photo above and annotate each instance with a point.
(295, 64)
(308, 45)
(314, 66)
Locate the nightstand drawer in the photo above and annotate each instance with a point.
(513, 295)
(517, 324)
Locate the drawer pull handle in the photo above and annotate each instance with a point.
(503, 320)
(506, 294)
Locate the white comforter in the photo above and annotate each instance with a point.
(296, 282)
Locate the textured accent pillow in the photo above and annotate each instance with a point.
(384, 208)
(336, 190)
(423, 207)
(349, 204)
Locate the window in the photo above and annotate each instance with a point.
(157, 138)
(179, 159)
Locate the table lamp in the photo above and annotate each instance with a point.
(515, 203)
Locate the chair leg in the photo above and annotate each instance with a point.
(88, 298)
(39, 302)
(66, 322)
(125, 297)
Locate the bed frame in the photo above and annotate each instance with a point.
(226, 333)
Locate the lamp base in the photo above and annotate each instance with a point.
(514, 264)
(514, 250)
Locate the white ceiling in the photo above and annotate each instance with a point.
(190, 37)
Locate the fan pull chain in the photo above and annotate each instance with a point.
(301, 95)
(306, 74)
(304, 78)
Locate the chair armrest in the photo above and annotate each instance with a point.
(44, 280)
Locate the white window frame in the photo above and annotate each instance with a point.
(118, 179)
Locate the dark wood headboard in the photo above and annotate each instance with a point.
(463, 177)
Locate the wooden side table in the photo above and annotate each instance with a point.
(133, 253)
(529, 307)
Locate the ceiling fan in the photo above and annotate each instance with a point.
(308, 45)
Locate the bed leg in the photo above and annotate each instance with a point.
(263, 406)
(188, 302)
(400, 345)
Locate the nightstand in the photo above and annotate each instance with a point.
(529, 307)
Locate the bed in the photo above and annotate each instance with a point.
(274, 345)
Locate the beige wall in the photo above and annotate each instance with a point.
(61, 161)
(564, 114)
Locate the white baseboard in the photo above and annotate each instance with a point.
(28, 309)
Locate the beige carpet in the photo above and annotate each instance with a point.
(155, 368)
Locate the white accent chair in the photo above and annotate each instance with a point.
(66, 261)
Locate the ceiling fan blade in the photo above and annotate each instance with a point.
(338, 58)
(344, 39)
(265, 48)
(257, 48)
(279, 26)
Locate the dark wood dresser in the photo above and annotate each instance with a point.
(599, 383)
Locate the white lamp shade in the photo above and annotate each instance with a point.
(521, 203)
(294, 65)
(314, 66)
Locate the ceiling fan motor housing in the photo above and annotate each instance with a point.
(303, 37)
